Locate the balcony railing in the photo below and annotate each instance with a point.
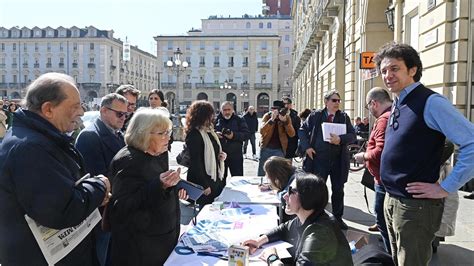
(61, 65)
(187, 85)
(207, 85)
(245, 64)
(168, 85)
(74, 65)
(263, 65)
(263, 86)
(25, 65)
(245, 86)
(216, 64)
(2, 66)
(36, 65)
(14, 65)
(49, 65)
(202, 64)
(231, 64)
(91, 65)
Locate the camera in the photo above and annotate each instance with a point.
(283, 111)
(226, 131)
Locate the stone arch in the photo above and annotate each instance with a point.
(263, 103)
(202, 96)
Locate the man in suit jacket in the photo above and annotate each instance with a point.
(98, 144)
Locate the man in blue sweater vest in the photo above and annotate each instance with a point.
(414, 139)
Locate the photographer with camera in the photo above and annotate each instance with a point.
(232, 131)
(276, 130)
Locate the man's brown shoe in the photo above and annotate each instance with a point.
(374, 228)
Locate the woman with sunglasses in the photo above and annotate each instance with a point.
(144, 211)
(315, 235)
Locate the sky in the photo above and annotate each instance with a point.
(138, 20)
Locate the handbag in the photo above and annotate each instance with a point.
(184, 158)
(368, 180)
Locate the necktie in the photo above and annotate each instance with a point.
(330, 117)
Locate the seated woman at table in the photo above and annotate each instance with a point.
(144, 211)
(207, 158)
(280, 173)
(314, 234)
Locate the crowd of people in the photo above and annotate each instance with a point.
(125, 152)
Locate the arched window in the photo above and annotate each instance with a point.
(269, 25)
(247, 25)
(260, 25)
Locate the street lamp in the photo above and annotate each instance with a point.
(226, 85)
(389, 15)
(177, 66)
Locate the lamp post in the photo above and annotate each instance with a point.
(177, 66)
(226, 85)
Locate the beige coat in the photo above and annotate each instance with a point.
(3, 123)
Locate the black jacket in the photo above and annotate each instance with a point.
(145, 218)
(233, 147)
(38, 169)
(293, 141)
(319, 241)
(252, 121)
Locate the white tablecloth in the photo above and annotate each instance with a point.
(248, 221)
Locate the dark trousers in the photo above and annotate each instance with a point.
(379, 216)
(252, 142)
(235, 164)
(324, 167)
(411, 225)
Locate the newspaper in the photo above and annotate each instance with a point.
(56, 244)
(334, 128)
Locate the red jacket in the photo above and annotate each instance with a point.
(375, 145)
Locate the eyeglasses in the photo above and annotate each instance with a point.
(163, 134)
(368, 104)
(292, 190)
(117, 113)
(336, 100)
(393, 122)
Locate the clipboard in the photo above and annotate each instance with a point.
(194, 191)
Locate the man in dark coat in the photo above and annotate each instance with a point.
(328, 157)
(296, 122)
(252, 122)
(39, 167)
(98, 144)
(232, 131)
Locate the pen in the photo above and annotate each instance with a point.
(82, 179)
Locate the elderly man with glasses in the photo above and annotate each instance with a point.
(98, 144)
(420, 121)
(328, 157)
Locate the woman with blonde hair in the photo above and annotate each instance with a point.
(144, 211)
(207, 157)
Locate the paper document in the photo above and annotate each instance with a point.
(56, 244)
(334, 128)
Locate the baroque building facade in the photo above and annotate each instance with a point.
(91, 56)
(332, 35)
(245, 60)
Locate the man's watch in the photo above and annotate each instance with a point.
(272, 258)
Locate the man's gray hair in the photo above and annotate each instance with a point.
(108, 99)
(379, 94)
(231, 104)
(142, 123)
(330, 93)
(47, 88)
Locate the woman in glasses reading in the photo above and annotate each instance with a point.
(315, 235)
